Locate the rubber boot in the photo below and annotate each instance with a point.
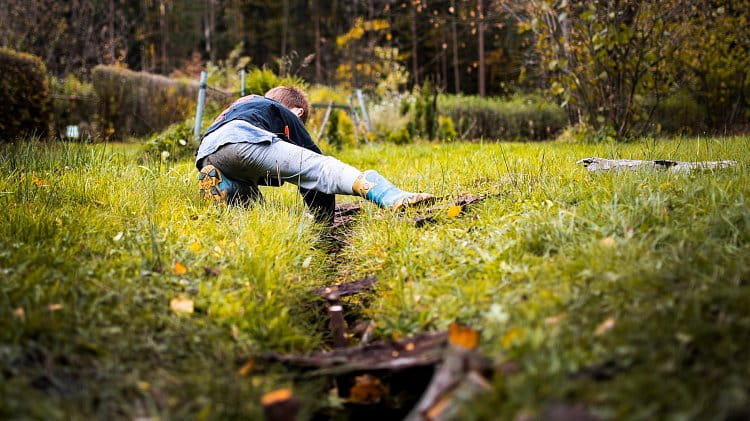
(375, 188)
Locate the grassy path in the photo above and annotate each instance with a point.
(626, 293)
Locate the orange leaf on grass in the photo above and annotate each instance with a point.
(463, 336)
(454, 211)
(276, 396)
(179, 268)
(39, 181)
(367, 389)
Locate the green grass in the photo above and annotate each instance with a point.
(87, 252)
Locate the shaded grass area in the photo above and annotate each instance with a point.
(624, 292)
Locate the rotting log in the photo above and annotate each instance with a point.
(602, 164)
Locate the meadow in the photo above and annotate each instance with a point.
(123, 295)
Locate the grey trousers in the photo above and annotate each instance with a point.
(265, 162)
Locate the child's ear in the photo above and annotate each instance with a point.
(298, 112)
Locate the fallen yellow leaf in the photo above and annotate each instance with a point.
(55, 307)
(463, 336)
(181, 305)
(367, 389)
(179, 268)
(604, 326)
(607, 242)
(454, 211)
(246, 368)
(510, 336)
(194, 247)
(276, 396)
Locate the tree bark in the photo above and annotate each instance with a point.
(284, 27)
(318, 64)
(414, 45)
(480, 31)
(456, 71)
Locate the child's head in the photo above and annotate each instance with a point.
(291, 97)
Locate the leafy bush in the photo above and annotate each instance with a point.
(75, 104)
(139, 103)
(521, 117)
(680, 113)
(339, 131)
(24, 95)
(259, 81)
(173, 143)
(446, 128)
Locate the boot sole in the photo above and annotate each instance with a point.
(209, 180)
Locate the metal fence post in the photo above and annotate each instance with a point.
(201, 104)
(365, 116)
(242, 82)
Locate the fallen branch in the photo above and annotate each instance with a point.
(348, 288)
(420, 350)
(464, 201)
(602, 164)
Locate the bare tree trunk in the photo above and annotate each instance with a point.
(284, 26)
(164, 35)
(480, 31)
(456, 72)
(414, 42)
(209, 27)
(112, 52)
(318, 64)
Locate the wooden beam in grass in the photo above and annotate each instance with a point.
(602, 164)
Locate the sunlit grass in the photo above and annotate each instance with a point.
(562, 270)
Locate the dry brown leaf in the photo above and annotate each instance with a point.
(246, 368)
(179, 268)
(454, 211)
(608, 242)
(182, 305)
(55, 307)
(463, 336)
(367, 389)
(604, 326)
(276, 396)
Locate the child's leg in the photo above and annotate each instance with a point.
(325, 174)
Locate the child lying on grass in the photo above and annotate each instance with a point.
(261, 141)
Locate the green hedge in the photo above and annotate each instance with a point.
(139, 103)
(24, 96)
(518, 118)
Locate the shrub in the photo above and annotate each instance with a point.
(446, 128)
(173, 143)
(74, 104)
(521, 117)
(680, 113)
(259, 81)
(339, 131)
(24, 96)
(139, 103)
